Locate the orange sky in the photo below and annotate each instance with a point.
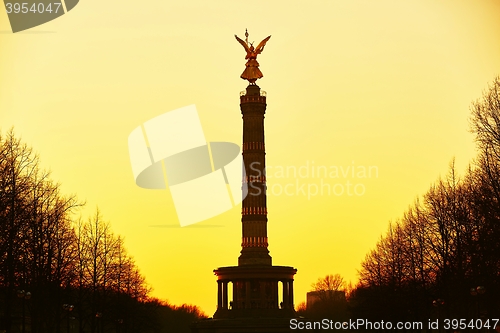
(386, 84)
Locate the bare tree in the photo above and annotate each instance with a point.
(329, 288)
(485, 123)
(43, 251)
(330, 301)
(36, 236)
(448, 242)
(17, 164)
(485, 119)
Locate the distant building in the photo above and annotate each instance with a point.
(316, 296)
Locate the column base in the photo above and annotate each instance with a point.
(255, 256)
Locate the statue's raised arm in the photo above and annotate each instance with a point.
(252, 72)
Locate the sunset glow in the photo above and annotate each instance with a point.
(367, 104)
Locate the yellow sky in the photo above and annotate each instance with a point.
(350, 83)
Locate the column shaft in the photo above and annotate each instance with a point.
(275, 294)
(285, 294)
(235, 295)
(224, 295)
(248, 295)
(219, 294)
(262, 294)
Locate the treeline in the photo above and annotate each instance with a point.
(442, 258)
(59, 273)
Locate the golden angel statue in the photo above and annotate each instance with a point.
(252, 71)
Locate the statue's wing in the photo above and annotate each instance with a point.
(242, 42)
(261, 45)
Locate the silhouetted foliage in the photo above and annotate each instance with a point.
(445, 244)
(58, 274)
